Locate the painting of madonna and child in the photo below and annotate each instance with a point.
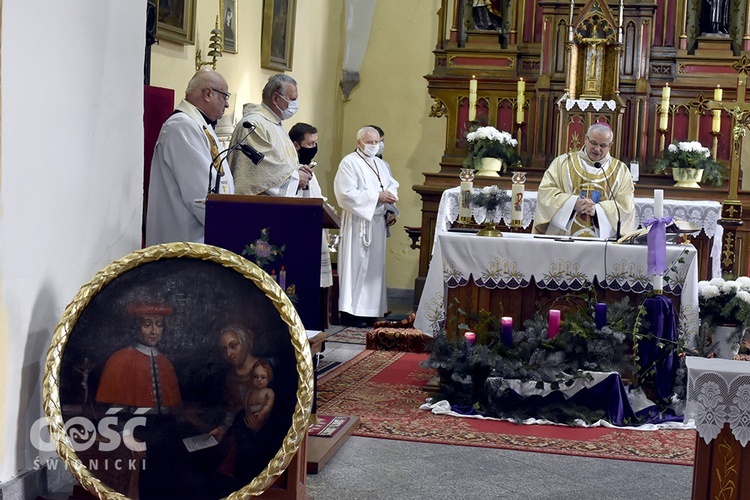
(187, 372)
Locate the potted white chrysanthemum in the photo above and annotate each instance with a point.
(488, 148)
(725, 308)
(690, 162)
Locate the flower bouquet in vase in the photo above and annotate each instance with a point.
(725, 310)
(488, 149)
(690, 162)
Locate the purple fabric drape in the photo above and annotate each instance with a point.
(657, 244)
(661, 316)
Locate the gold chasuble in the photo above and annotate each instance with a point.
(573, 175)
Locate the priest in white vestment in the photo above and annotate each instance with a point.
(367, 195)
(585, 193)
(182, 163)
(277, 174)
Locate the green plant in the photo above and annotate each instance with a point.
(692, 154)
(488, 142)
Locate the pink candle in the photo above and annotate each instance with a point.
(470, 338)
(553, 327)
(506, 334)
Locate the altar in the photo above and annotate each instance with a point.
(704, 214)
(510, 274)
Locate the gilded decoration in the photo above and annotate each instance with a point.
(438, 109)
(192, 256)
(700, 104)
(502, 273)
(743, 65)
(726, 472)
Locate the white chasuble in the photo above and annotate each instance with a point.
(573, 175)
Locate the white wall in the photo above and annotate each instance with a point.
(70, 179)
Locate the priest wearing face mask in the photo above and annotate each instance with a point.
(367, 195)
(278, 174)
(305, 139)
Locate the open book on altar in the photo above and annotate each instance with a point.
(674, 228)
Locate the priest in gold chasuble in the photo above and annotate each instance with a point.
(581, 191)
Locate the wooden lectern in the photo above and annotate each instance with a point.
(281, 235)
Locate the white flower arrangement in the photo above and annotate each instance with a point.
(489, 142)
(691, 154)
(690, 146)
(724, 302)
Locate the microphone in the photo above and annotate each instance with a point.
(215, 188)
(617, 207)
(253, 154)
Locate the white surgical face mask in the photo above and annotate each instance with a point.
(381, 148)
(290, 110)
(371, 150)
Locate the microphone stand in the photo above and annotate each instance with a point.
(215, 188)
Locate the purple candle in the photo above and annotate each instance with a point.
(553, 327)
(470, 338)
(506, 335)
(600, 315)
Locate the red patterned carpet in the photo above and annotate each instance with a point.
(384, 388)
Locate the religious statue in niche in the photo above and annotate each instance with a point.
(594, 34)
(715, 17)
(487, 15)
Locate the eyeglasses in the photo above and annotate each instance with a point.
(597, 144)
(226, 95)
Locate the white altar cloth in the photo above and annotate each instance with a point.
(555, 264)
(718, 392)
(704, 214)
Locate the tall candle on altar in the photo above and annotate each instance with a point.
(663, 122)
(553, 326)
(716, 124)
(658, 203)
(657, 280)
(521, 100)
(506, 333)
(472, 98)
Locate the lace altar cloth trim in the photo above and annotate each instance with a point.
(704, 214)
(584, 104)
(718, 393)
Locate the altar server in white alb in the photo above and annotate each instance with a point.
(181, 165)
(367, 195)
(584, 193)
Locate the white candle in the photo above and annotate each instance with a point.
(664, 121)
(657, 280)
(718, 93)
(472, 98)
(464, 207)
(716, 123)
(516, 212)
(658, 203)
(520, 101)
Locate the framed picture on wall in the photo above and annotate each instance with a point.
(176, 21)
(229, 25)
(277, 41)
(178, 371)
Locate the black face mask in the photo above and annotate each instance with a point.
(306, 155)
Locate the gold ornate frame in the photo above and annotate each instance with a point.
(51, 385)
(179, 27)
(277, 40)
